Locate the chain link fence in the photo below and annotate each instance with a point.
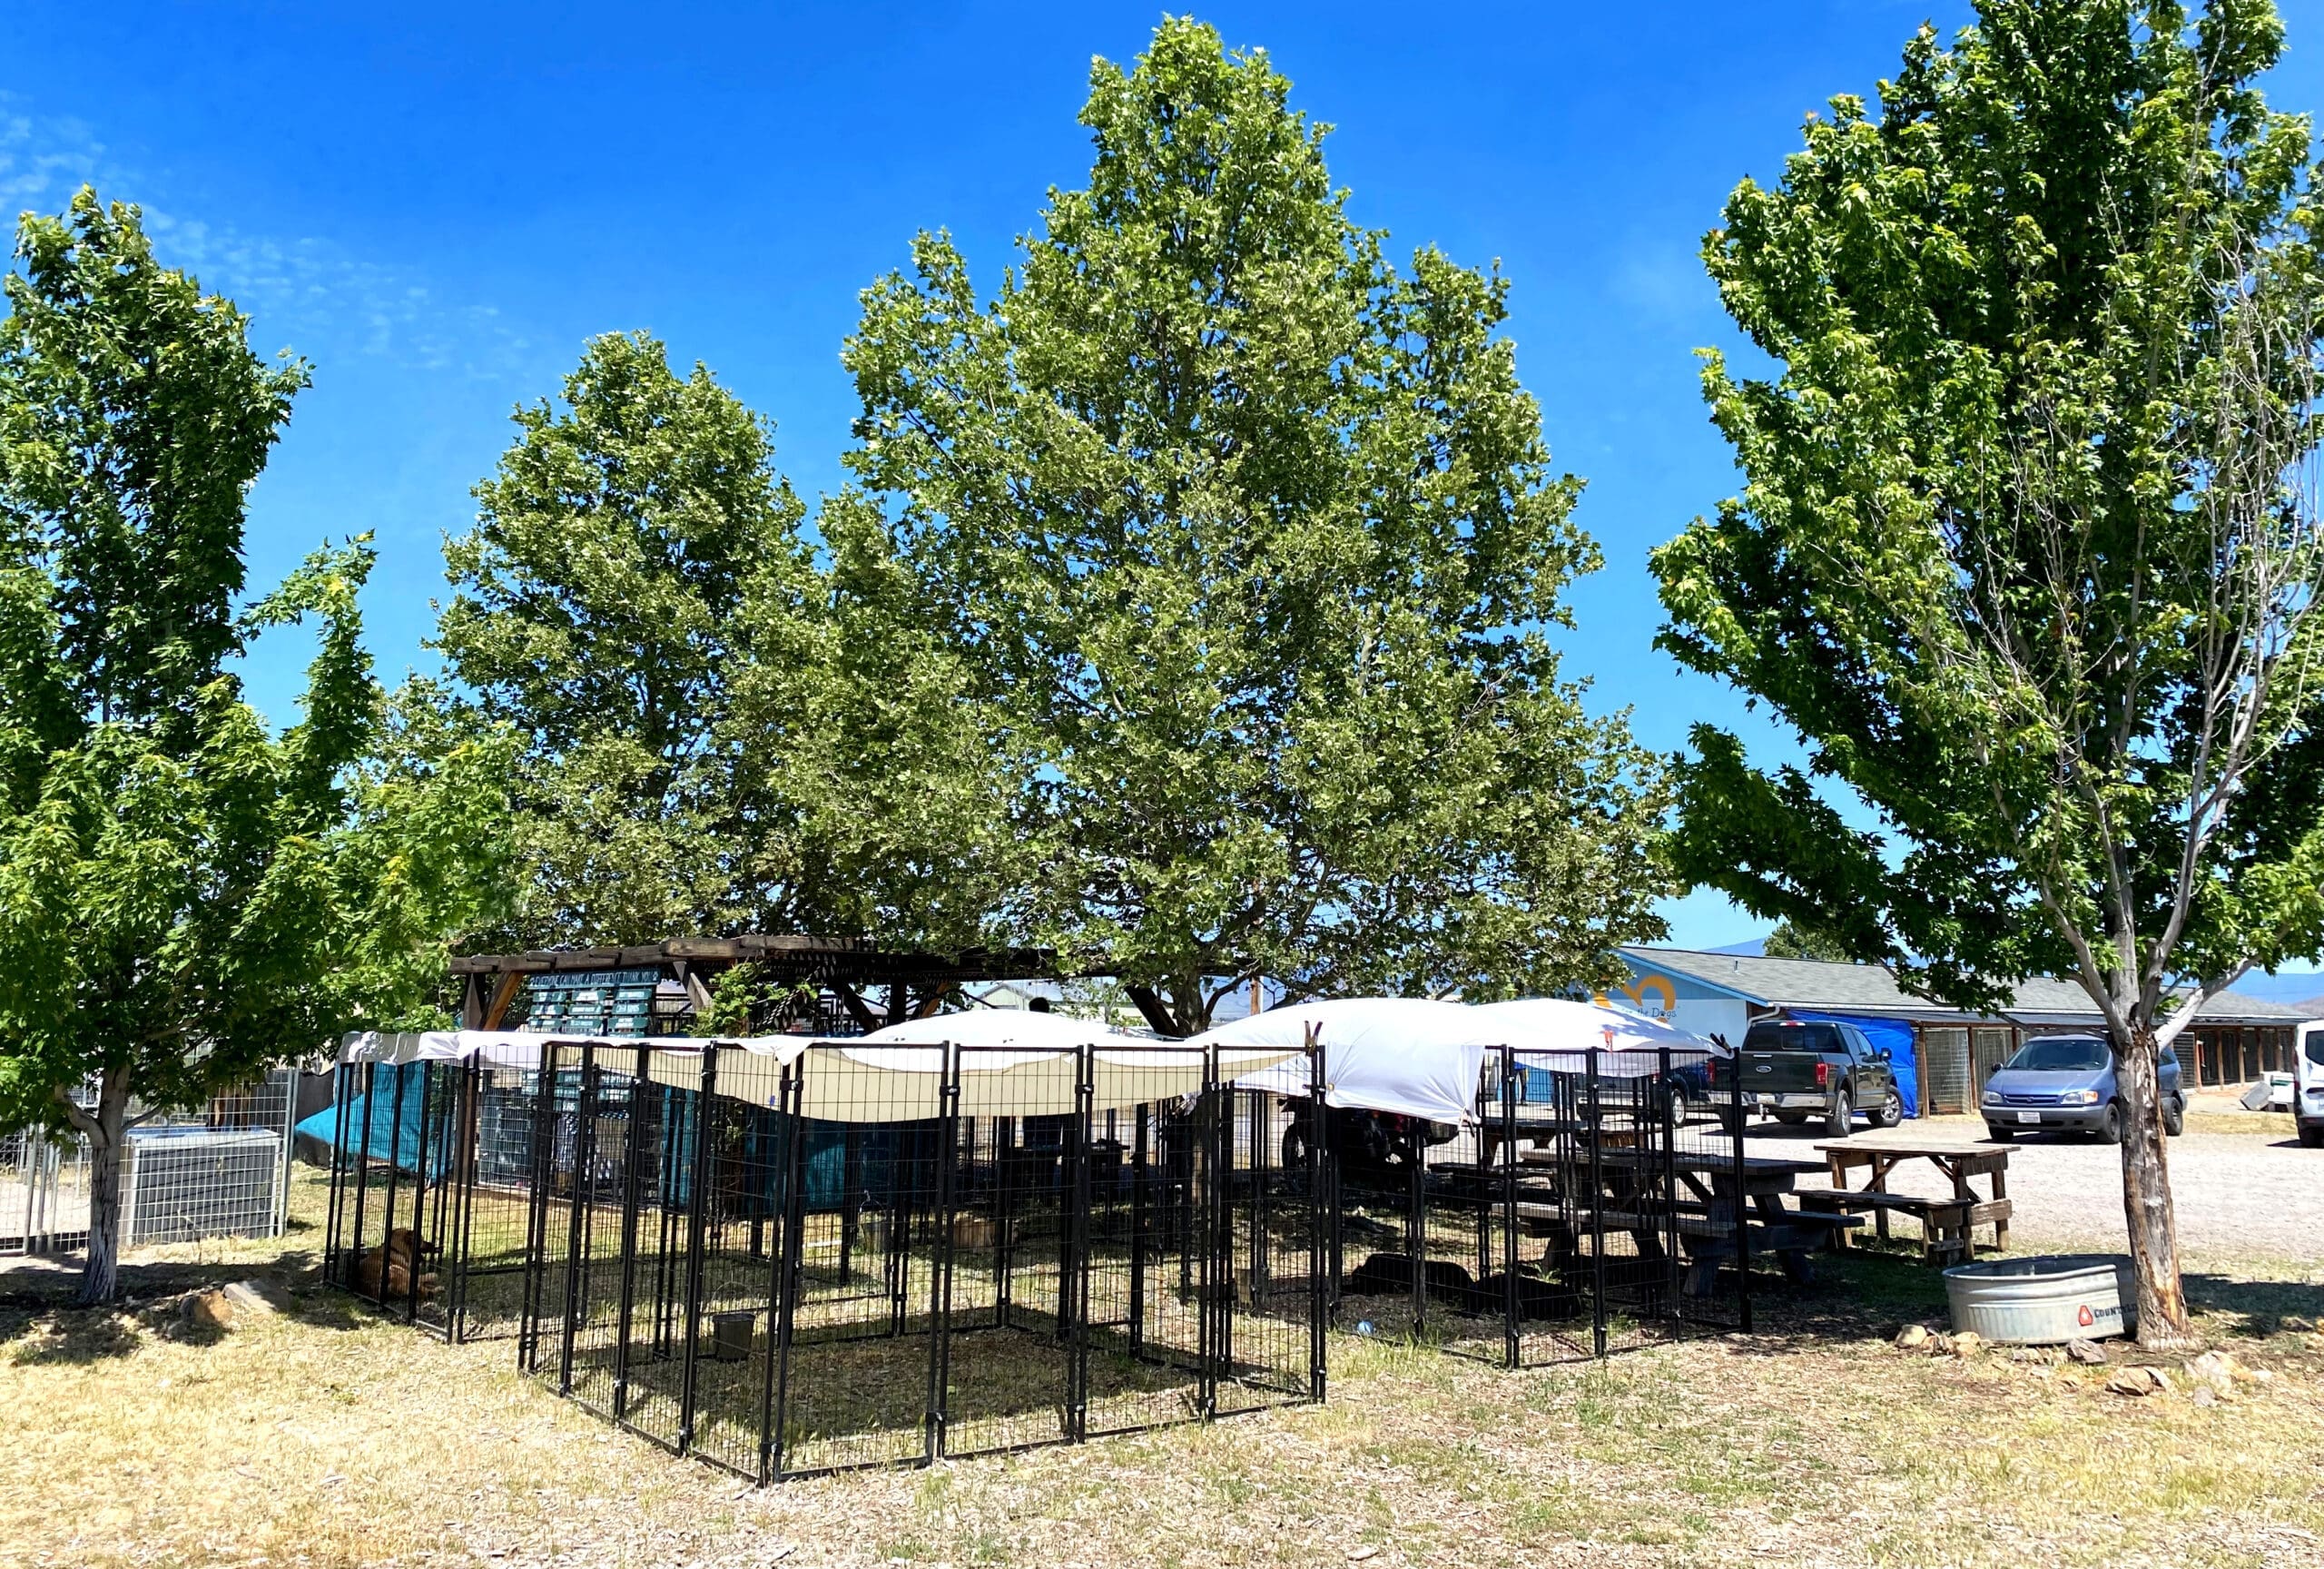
(219, 1169)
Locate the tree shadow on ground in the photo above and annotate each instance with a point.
(2257, 1308)
(41, 1324)
(1852, 1296)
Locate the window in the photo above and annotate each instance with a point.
(1769, 1036)
(2059, 1054)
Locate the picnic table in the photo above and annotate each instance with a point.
(1948, 1226)
(1721, 1206)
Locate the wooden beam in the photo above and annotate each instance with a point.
(503, 994)
(857, 1009)
(1157, 1018)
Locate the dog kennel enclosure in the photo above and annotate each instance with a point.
(786, 1257)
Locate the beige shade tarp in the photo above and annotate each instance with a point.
(858, 1081)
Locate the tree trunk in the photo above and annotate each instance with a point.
(101, 1261)
(2146, 1196)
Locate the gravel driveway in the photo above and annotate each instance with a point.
(2239, 1195)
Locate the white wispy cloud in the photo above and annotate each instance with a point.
(303, 292)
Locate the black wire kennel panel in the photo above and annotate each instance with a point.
(1602, 1209)
(431, 1210)
(783, 1294)
(392, 1205)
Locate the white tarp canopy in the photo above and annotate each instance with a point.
(1424, 1058)
(1403, 1054)
(1001, 1027)
(865, 1080)
(1560, 1035)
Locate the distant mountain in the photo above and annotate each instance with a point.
(2293, 987)
(2311, 1006)
(1756, 948)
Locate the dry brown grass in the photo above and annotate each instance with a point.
(325, 1438)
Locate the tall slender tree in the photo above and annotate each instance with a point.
(2029, 549)
(184, 896)
(1248, 542)
(633, 552)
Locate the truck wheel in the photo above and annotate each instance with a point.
(2174, 1118)
(2110, 1127)
(1891, 1112)
(1843, 1116)
(2312, 1135)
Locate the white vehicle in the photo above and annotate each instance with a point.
(2308, 1100)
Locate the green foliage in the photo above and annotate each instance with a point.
(905, 793)
(635, 551)
(1234, 548)
(2021, 551)
(1789, 940)
(184, 897)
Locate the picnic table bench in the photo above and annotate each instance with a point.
(1713, 1193)
(1948, 1225)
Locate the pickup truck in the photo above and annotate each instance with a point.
(1795, 1071)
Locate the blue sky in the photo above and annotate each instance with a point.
(436, 206)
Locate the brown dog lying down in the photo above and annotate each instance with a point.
(386, 1271)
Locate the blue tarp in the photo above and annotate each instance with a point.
(1891, 1034)
(373, 1118)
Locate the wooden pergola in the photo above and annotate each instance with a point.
(851, 969)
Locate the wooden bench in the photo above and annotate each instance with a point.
(1945, 1222)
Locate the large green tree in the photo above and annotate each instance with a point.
(184, 895)
(1246, 549)
(634, 553)
(2028, 550)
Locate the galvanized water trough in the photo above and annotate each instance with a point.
(2043, 1301)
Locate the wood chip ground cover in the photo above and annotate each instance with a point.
(322, 1437)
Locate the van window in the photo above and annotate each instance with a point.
(2315, 1048)
(2059, 1054)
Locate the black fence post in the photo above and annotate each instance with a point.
(674, 1120)
(585, 1131)
(395, 1175)
(420, 1152)
(1085, 1090)
(1667, 1192)
(1742, 1224)
(631, 1152)
(790, 1273)
(699, 1206)
(1511, 1304)
(541, 1162)
(938, 1411)
(334, 1267)
(1139, 1178)
(1007, 1162)
(1416, 1229)
(1319, 1246)
(1596, 1124)
(455, 1256)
